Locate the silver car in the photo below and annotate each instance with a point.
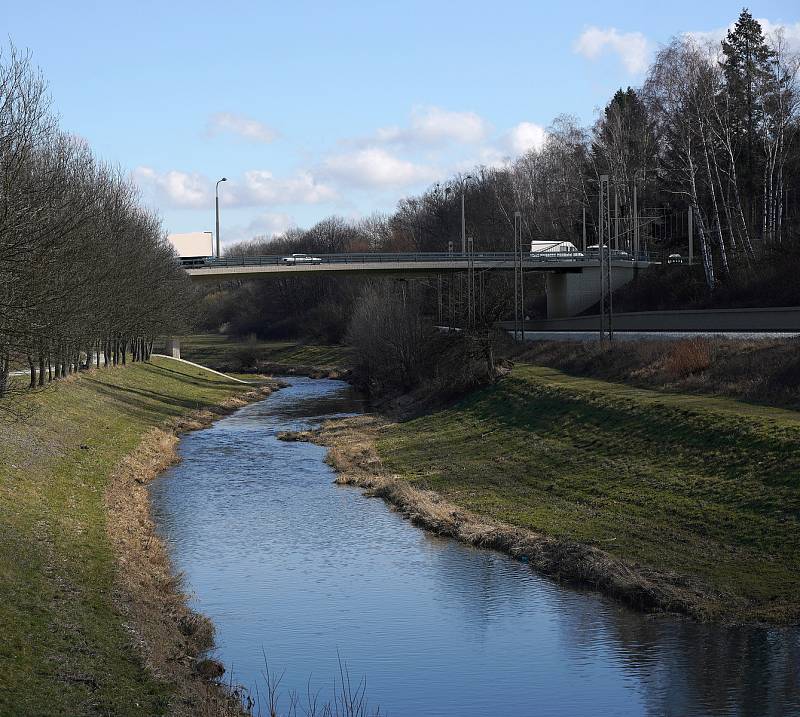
(301, 259)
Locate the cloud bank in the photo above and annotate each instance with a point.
(632, 48)
(375, 168)
(240, 126)
(256, 187)
(436, 126)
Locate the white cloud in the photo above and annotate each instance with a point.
(374, 167)
(261, 187)
(791, 33)
(241, 126)
(632, 48)
(257, 187)
(490, 157)
(433, 126)
(269, 224)
(526, 136)
(174, 188)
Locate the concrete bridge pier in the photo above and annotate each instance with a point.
(571, 292)
(174, 348)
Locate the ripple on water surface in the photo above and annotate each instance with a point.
(286, 562)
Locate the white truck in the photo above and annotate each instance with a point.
(554, 251)
(193, 248)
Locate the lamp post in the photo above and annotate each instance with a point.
(463, 215)
(519, 283)
(216, 195)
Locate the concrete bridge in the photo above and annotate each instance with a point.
(572, 284)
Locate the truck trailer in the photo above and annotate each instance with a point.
(193, 248)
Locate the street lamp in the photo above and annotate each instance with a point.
(463, 215)
(216, 194)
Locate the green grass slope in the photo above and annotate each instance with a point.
(218, 351)
(64, 650)
(701, 486)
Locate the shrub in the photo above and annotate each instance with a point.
(246, 356)
(688, 357)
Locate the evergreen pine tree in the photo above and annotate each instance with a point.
(746, 63)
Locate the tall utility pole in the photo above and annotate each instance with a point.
(451, 319)
(216, 195)
(600, 244)
(470, 284)
(635, 220)
(519, 286)
(583, 248)
(464, 215)
(604, 225)
(439, 295)
(609, 284)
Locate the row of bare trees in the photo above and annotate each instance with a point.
(86, 273)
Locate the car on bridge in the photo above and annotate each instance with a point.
(300, 259)
(593, 252)
(189, 262)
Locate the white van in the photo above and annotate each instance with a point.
(554, 251)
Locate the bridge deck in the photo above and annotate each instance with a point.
(386, 264)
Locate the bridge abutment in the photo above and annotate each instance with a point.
(174, 348)
(570, 293)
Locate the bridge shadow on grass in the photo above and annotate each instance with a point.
(146, 404)
(198, 381)
(140, 409)
(151, 401)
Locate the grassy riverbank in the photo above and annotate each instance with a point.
(230, 353)
(687, 485)
(759, 371)
(66, 648)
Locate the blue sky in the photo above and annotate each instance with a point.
(319, 108)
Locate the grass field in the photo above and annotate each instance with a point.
(64, 649)
(216, 350)
(697, 485)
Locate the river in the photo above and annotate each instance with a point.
(298, 570)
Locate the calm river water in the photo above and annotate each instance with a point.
(291, 566)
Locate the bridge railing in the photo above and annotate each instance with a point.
(350, 258)
(414, 257)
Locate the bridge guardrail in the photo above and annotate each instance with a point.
(407, 257)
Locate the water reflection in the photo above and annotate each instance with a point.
(282, 559)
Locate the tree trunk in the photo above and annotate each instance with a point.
(4, 371)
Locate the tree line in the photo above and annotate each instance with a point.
(712, 131)
(86, 273)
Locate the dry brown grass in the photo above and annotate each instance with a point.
(352, 453)
(688, 357)
(762, 371)
(171, 638)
